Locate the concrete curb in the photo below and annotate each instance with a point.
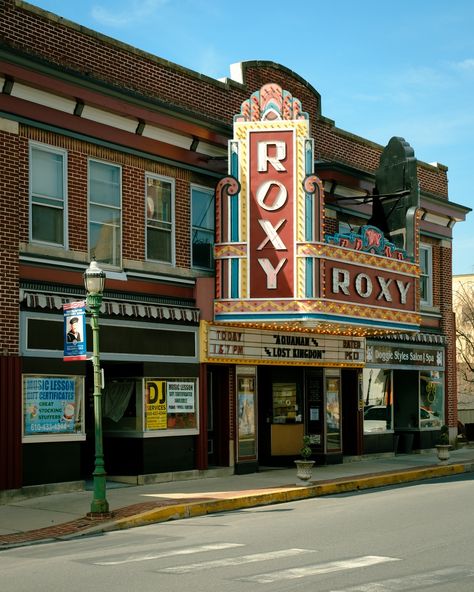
(281, 495)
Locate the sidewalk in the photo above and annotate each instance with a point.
(61, 516)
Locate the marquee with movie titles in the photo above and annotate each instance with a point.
(274, 263)
(242, 345)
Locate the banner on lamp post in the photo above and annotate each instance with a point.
(75, 347)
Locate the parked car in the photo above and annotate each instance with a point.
(428, 419)
(377, 419)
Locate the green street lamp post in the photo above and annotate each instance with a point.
(94, 281)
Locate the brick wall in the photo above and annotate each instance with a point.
(433, 179)
(133, 213)
(9, 224)
(77, 192)
(133, 194)
(47, 37)
(444, 273)
(10, 363)
(330, 225)
(183, 223)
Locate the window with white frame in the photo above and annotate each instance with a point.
(48, 192)
(159, 218)
(105, 214)
(202, 213)
(426, 274)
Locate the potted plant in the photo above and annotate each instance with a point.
(443, 447)
(304, 466)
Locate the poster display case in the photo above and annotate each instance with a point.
(333, 410)
(246, 378)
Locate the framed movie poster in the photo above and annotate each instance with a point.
(246, 413)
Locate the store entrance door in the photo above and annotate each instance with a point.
(218, 416)
(352, 412)
(315, 410)
(281, 414)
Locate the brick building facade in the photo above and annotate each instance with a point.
(111, 152)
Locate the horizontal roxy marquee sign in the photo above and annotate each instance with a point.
(224, 344)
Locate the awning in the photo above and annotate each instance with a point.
(434, 338)
(159, 312)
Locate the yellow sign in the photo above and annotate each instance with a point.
(155, 405)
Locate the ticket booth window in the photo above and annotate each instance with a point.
(287, 425)
(287, 407)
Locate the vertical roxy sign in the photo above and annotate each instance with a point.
(267, 210)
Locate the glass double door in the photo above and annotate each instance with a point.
(323, 409)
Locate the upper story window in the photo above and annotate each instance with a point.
(48, 192)
(105, 214)
(159, 218)
(426, 275)
(202, 214)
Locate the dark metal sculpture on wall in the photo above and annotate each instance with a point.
(397, 195)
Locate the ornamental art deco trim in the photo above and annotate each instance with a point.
(323, 250)
(316, 306)
(369, 239)
(269, 103)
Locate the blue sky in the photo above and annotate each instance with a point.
(403, 68)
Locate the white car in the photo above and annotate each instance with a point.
(377, 419)
(429, 419)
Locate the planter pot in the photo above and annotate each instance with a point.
(304, 471)
(442, 451)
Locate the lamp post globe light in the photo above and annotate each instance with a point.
(94, 281)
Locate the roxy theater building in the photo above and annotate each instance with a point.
(269, 275)
(319, 316)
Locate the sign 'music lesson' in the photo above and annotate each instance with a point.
(274, 262)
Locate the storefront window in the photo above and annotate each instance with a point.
(378, 400)
(150, 405)
(170, 404)
(53, 405)
(120, 404)
(431, 399)
(287, 407)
